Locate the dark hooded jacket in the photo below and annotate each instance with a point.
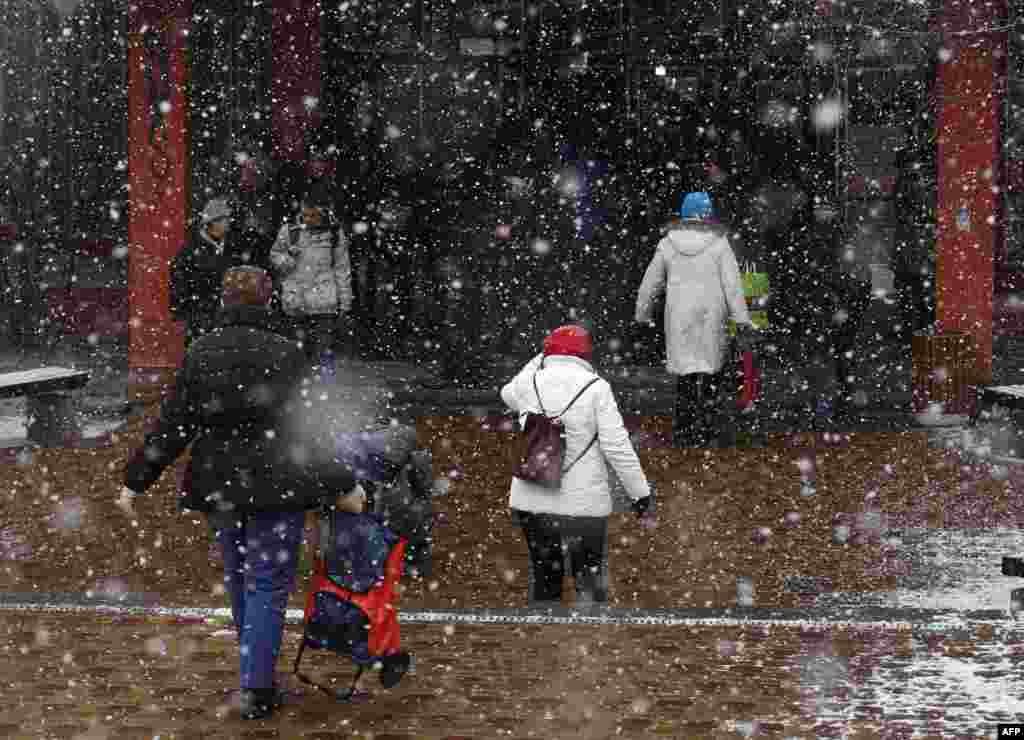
(233, 400)
(195, 284)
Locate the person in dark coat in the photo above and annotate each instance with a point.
(198, 269)
(251, 472)
(818, 297)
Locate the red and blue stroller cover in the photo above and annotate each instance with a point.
(351, 606)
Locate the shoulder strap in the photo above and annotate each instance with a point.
(537, 391)
(577, 397)
(569, 405)
(580, 456)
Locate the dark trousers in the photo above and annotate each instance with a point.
(549, 537)
(844, 337)
(698, 409)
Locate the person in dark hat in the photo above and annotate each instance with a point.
(199, 267)
(313, 267)
(235, 401)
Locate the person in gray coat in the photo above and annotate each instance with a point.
(314, 273)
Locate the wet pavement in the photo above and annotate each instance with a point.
(905, 636)
(82, 677)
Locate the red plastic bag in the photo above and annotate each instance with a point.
(751, 389)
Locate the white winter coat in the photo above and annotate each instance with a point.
(310, 284)
(585, 489)
(704, 291)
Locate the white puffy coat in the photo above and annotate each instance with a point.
(704, 290)
(585, 489)
(313, 282)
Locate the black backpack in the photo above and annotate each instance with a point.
(544, 461)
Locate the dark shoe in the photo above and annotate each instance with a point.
(280, 696)
(259, 703)
(395, 667)
(354, 696)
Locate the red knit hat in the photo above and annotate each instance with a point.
(569, 340)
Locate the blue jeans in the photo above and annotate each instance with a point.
(260, 562)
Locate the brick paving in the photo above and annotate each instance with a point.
(724, 515)
(81, 678)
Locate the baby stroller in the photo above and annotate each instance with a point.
(352, 617)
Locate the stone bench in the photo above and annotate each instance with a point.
(50, 409)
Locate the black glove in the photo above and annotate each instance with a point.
(644, 506)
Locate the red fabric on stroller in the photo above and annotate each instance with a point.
(378, 603)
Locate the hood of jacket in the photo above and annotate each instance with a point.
(691, 239)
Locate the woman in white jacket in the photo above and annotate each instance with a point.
(575, 515)
(696, 268)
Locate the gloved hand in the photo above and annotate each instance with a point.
(644, 507)
(124, 500)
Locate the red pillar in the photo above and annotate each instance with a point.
(158, 177)
(296, 85)
(971, 88)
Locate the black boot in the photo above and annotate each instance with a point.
(259, 703)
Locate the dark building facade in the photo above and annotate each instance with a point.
(604, 112)
(28, 29)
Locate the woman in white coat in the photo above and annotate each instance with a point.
(573, 516)
(696, 266)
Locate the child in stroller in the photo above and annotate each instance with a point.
(350, 607)
(398, 480)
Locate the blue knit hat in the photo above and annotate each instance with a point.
(696, 207)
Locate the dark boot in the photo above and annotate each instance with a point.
(394, 668)
(259, 703)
